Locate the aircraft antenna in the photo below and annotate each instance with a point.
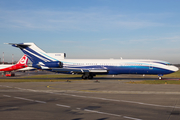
(12, 58)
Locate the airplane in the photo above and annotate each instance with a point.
(22, 63)
(89, 68)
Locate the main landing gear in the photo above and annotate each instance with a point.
(87, 76)
(160, 76)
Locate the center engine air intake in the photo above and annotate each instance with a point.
(54, 64)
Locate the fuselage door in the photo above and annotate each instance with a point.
(150, 66)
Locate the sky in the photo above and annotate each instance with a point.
(84, 29)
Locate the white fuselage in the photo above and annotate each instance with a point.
(122, 66)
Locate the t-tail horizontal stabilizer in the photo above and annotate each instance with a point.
(21, 46)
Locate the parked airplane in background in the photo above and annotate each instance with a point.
(22, 63)
(56, 62)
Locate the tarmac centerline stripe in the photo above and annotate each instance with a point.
(102, 112)
(8, 86)
(30, 100)
(131, 118)
(63, 105)
(24, 99)
(6, 96)
(39, 101)
(111, 114)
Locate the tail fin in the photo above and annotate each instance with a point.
(23, 61)
(34, 53)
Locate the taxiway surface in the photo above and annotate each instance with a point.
(89, 100)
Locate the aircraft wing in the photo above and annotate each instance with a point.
(27, 69)
(75, 70)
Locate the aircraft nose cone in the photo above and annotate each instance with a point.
(176, 68)
(173, 68)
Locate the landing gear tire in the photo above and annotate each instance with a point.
(84, 77)
(160, 76)
(87, 77)
(90, 77)
(12, 74)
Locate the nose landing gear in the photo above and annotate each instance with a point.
(160, 76)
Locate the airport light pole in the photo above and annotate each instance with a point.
(12, 58)
(3, 57)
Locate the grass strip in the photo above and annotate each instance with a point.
(34, 80)
(173, 75)
(53, 76)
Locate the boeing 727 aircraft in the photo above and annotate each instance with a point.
(22, 63)
(56, 62)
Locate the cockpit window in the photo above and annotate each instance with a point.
(168, 64)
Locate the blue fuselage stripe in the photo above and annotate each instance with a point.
(33, 58)
(128, 69)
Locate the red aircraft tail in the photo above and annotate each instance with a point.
(23, 61)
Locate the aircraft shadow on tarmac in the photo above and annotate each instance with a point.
(20, 75)
(79, 78)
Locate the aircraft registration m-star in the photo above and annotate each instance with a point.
(56, 62)
(22, 63)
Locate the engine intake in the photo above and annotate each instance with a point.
(54, 64)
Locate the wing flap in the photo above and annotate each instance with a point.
(79, 70)
(98, 71)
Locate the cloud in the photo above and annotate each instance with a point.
(164, 39)
(147, 40)
(104, 40)
(66, 41)
(85, 20)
